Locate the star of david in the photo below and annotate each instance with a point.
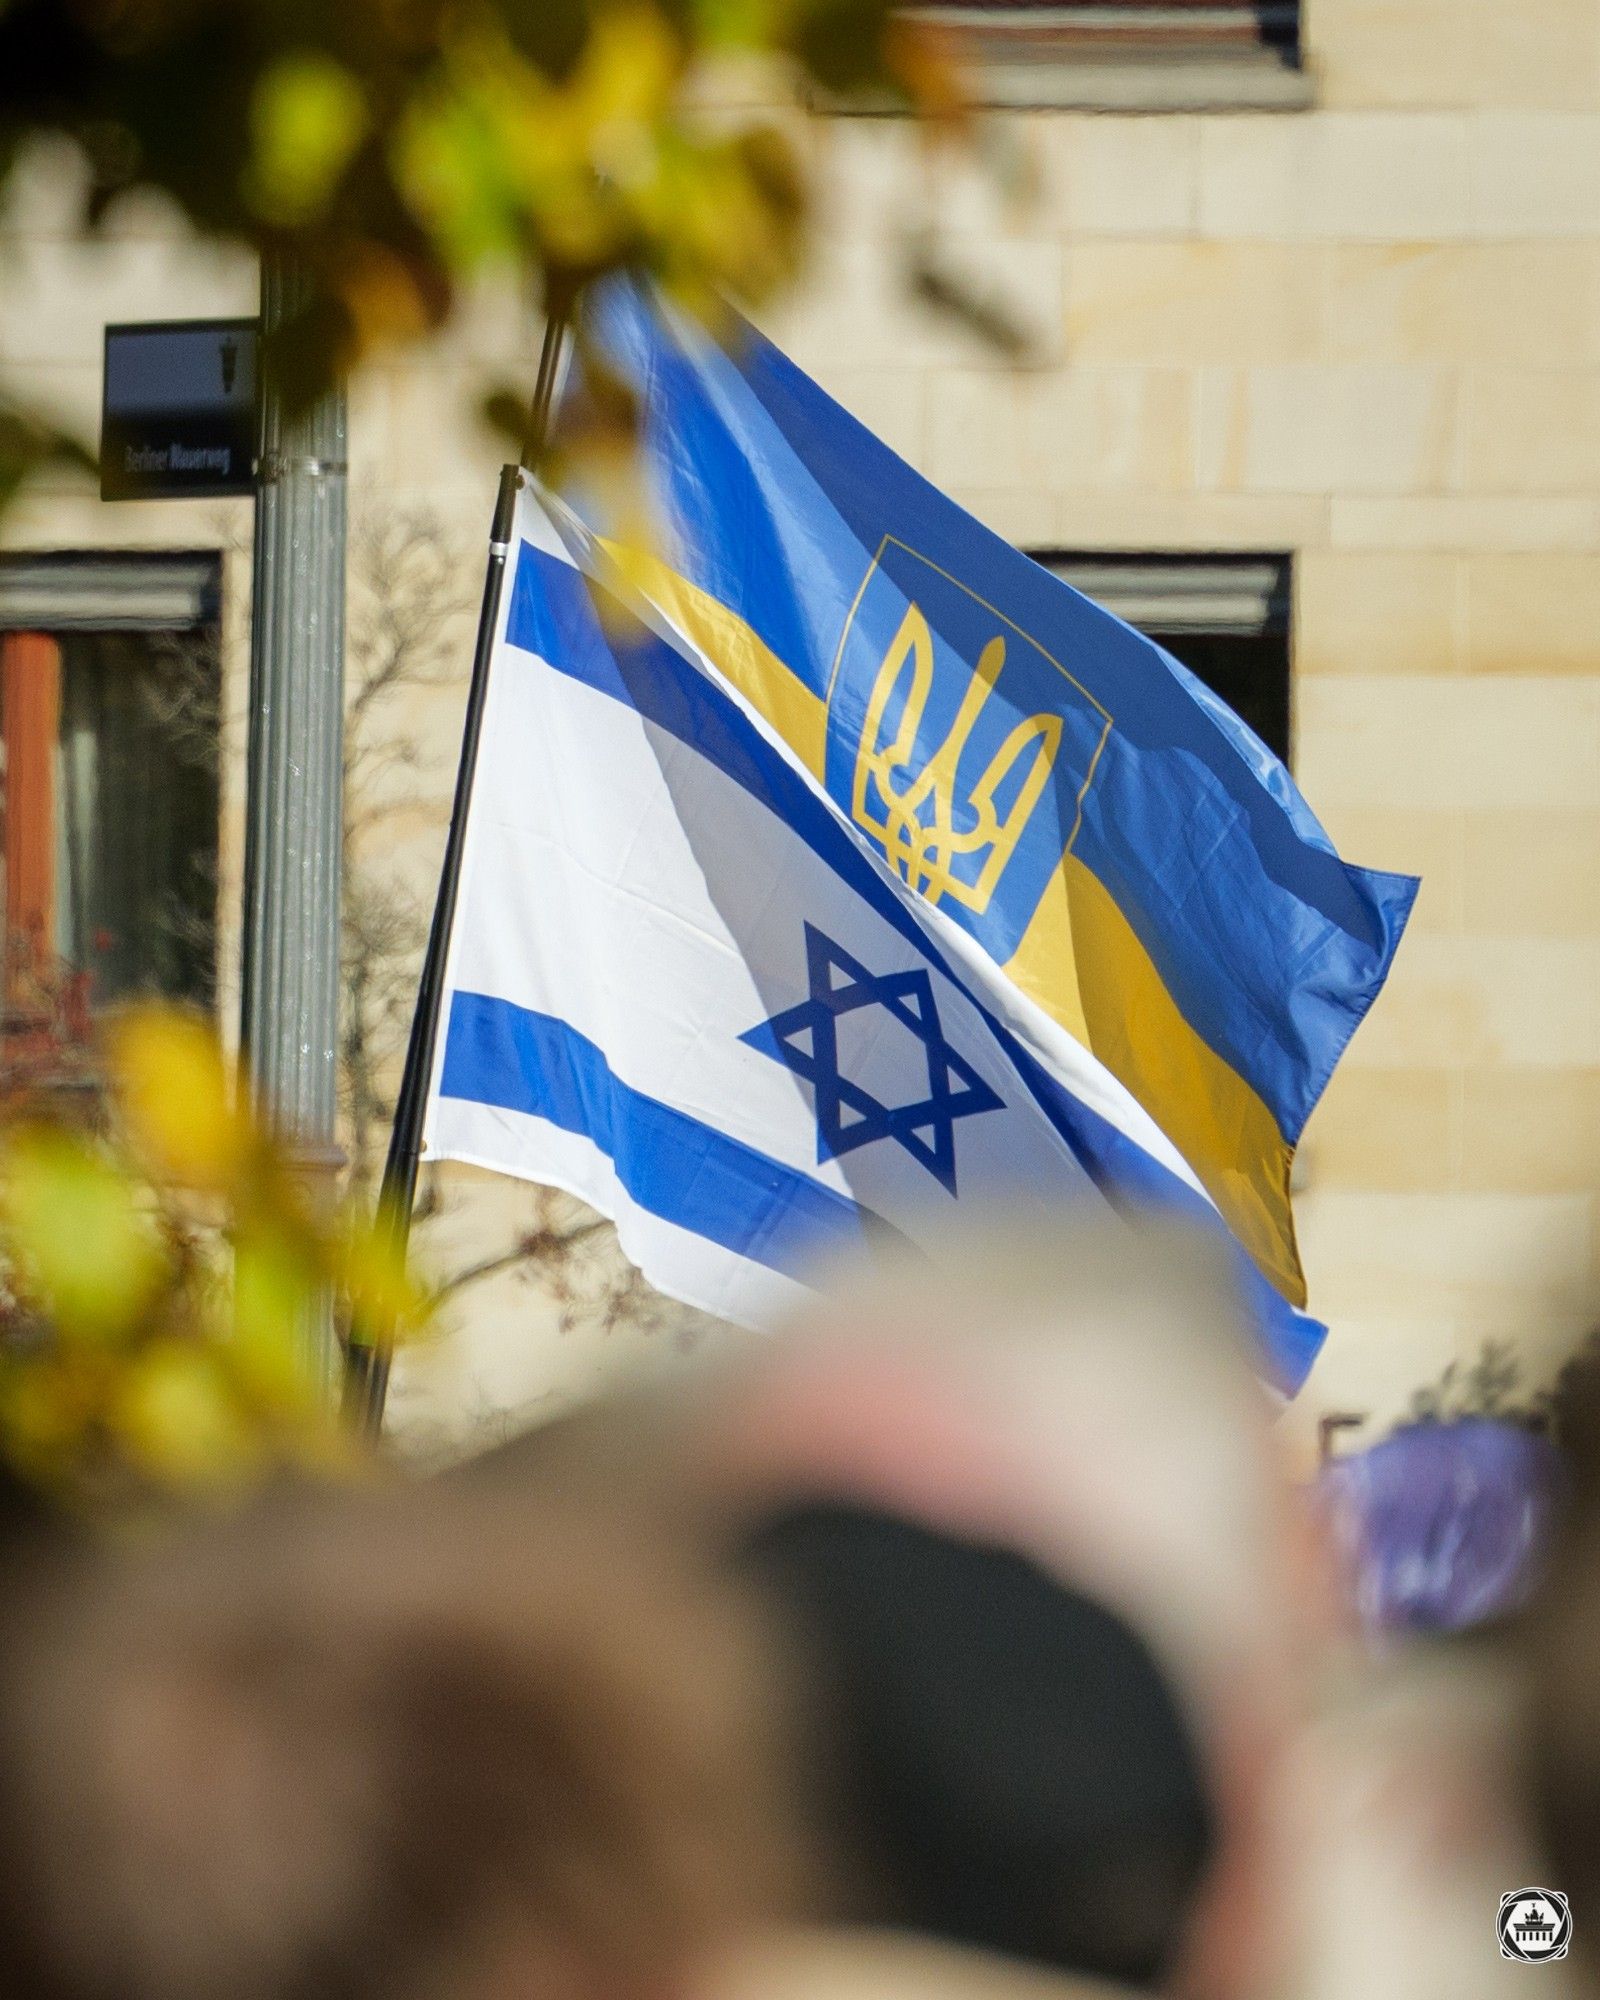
(805, 1039)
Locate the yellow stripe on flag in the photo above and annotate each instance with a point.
(1082, 961)
(738, 653)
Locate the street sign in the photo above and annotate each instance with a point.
(178, 413)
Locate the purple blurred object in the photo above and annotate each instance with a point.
(1442, 1524)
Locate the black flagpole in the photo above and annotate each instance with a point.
(366, 1378)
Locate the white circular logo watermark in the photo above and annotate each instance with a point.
(1534, 1925)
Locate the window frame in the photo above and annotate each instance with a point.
(1128, 55)
(47, 597)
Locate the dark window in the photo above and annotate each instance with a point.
(109, 723)
(1128, 54)
(1225, 617)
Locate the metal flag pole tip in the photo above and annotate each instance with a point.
(367, 1367)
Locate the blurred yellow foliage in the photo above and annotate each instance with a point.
(179, 1112)
(176, 1415)
(499, 159)
(402, 152)
(157, 1270)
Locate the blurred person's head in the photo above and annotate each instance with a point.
(998, 1759)
(1021, 1505)
(1078, 1406)
(1085, 1393)
(412, 1750)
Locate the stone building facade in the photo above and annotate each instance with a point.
(1353, 322)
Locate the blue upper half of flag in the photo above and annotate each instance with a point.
(786, 510)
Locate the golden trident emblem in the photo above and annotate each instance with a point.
(917, 822)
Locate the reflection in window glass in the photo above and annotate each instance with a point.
(136, 813)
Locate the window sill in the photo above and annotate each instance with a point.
(1140, 86)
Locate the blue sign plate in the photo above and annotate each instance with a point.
(178, 415)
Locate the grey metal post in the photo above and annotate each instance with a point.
(290, 983)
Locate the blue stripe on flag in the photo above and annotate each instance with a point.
(685, 1172)
(553, 616)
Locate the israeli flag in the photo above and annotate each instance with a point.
(682, 985)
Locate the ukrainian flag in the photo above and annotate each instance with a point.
(1063, 789)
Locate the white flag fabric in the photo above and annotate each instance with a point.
(683, 986)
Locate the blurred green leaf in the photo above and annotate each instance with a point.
(308, 115)
(86, 1248)
(273, 1282)
(738, 24)
(31, 443)
(841, 42)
